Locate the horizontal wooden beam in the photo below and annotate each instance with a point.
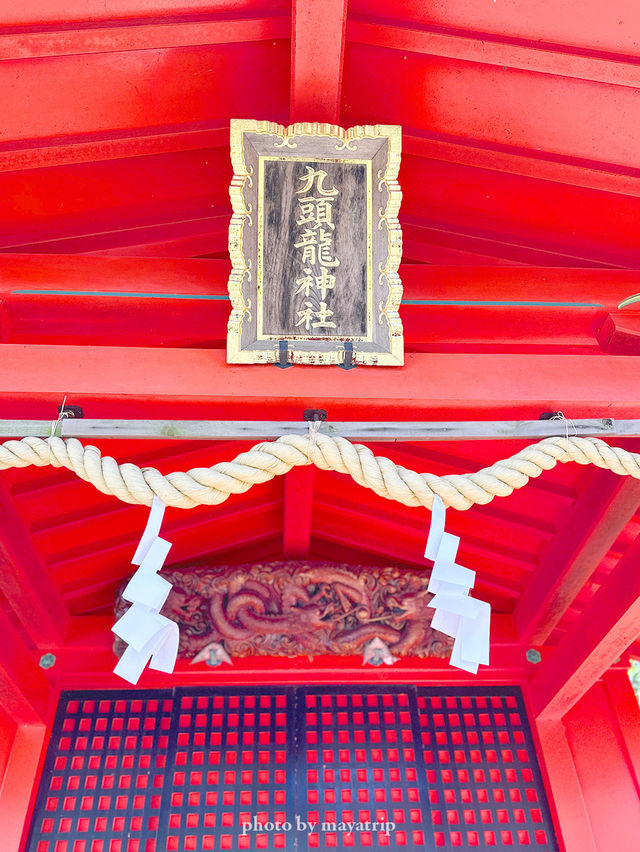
(64, 277)
(169, 302)
(520, 162)
(547, 59)
(242, 430)
(87, 661)
(484, 102)
(141, 382)
(140, 35)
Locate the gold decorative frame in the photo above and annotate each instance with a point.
(385, 345)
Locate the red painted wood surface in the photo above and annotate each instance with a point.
(609, 791)
(568, 799)
(8, 727)
(626, 712)
(543, 22)
(454, 76)
(317, 48)
(182, 303)
(298, 506)
(601, 513)
(201, 385)
(25, 693)
(25, 581)
(608, 625)
(19, 784)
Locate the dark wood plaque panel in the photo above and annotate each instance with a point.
(282, 264)
(315, 244)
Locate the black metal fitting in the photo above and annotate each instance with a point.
(313, 415)
(67, 411)
(348, 356)
(283, 354)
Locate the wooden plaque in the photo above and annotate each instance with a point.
(315, 244)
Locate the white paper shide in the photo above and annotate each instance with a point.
(152, 638)
(465, 619)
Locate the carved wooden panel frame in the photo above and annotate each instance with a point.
(364, 161)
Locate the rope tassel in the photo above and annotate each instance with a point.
(212, 485)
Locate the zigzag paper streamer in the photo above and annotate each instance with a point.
(465, 619)
(152, 638)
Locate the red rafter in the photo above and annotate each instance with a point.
(597, 518)
(606, 628)
(25, 581)
(298, 502)
(316, 59)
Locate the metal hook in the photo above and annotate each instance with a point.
(283, 355)
(348, 356)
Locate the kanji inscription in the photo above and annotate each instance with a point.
(315, 244)
(314, 274)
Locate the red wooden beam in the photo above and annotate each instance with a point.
(591, 729)
(87, 661)
(625, 709)
(40, 14)
(317, 50)
(17, 787)
(62, 96)
(562, 171)
(567, 798)
(543, 22)
(298, 502)
(508, 55)
(450, 233)
(144, 381)
(25, 692)
(620, 334)
(398, 541)
(473, 100)
(159, 311)
(21, 274)
(25, 581)
(61, 153)
(605, 629)
(453, 199)
(590, 529)
(214, 532)
(142, 36)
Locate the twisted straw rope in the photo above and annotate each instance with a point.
(211, 485)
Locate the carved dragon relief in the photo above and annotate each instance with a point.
(300, 608)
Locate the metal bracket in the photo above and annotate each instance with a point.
(348, 356)
(548, 415)
(283, 353)
(312, 415)
(66, 411)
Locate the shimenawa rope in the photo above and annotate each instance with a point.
(212, 485)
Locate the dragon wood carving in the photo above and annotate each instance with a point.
(301, 607)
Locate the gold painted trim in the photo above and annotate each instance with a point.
(242, 213)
